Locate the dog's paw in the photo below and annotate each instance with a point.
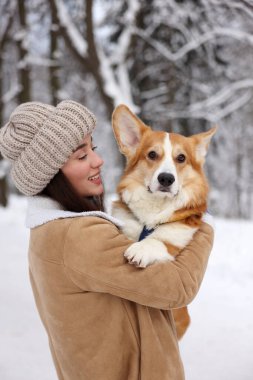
(147, 252)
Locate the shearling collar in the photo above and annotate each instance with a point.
(42, 209)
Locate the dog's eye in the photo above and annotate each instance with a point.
(181, 158)
(152, 155)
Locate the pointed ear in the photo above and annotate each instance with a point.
(128, 129)
(202, 141)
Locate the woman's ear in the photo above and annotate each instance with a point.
(128, 130)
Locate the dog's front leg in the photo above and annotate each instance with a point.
(131, 227)
(147, 252)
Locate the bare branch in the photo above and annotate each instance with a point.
(114, 68)
(197, 42)
(11, 93)
(125, 38)
(6, 28)
(223, 95)
(240, 102)
(71, 30)
(212, 108)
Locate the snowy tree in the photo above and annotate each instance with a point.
(6, 8)
(206, 47)
(5, 26)
(22, 41)
(181, 65)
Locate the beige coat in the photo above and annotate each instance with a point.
(106, 319)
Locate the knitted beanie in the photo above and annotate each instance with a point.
(39, 138)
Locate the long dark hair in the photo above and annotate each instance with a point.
(61, 190)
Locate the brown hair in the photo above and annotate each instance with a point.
(61, 190)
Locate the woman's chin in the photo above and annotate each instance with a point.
(96, 192)
(100, 190)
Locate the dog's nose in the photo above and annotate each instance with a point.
(166, 179)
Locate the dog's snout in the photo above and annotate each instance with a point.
(166, 179)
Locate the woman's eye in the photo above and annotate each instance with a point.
(152, 155)
(83, 157)
(181, 158)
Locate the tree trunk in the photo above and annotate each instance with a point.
(24, 70)
(1, 89)
(93, 58)
(3, 186)
(90, 63)
(3, 192)
(53, 70)
(3, 41)
(238, 187)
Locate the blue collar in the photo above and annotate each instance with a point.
(145, 232)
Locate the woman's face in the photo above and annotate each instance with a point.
(83, 169)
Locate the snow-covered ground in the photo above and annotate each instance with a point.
(218, 346)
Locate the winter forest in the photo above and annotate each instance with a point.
(180, 65)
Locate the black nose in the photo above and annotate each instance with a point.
(166, 179)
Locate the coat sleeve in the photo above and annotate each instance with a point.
(93, 258)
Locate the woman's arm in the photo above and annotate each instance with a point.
(93, 257)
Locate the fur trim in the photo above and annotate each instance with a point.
(43, 209)
(209, 219)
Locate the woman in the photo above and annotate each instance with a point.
(105, 319)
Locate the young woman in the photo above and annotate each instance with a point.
(105, 319)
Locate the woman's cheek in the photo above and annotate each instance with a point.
(82, 170)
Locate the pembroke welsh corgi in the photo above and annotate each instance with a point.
(162, 193)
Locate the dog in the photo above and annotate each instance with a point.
(162, 193)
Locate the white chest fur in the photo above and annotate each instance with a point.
(152, 249)
(151, 210)
(176, 233)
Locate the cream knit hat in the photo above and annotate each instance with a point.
(39, 138)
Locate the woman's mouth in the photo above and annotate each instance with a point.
(95, 179)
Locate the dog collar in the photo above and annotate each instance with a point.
(145, 232)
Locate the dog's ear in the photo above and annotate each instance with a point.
(128, 130)
(202, 141)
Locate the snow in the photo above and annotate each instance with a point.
(40, 61)
(218, 345)
(113, 67)
(11, 93)
(123, 43)
(112, 87)
(75, 36)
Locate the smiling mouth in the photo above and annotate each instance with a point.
(94, 177)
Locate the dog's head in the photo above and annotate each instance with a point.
(166, 164)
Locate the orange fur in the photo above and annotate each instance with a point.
(182, 321)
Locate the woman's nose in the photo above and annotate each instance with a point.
(97, 161)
